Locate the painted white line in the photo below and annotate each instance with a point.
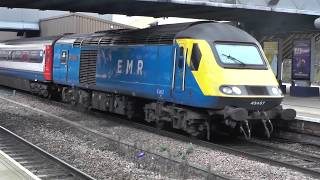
(15, 163)
(310, 119)
(304, 117)
(300, 106)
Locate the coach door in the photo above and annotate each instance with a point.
(180, 68)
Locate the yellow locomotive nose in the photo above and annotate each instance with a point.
(219, 71)
(240, 78)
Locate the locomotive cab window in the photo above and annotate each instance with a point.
(181, 57)
(195, 57)
(239, 55)
(64, 56)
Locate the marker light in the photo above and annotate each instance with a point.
(227, 90)
(236, 90)
(275, 90)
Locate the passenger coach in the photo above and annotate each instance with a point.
(25, 62)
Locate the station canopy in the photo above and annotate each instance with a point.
(263, 15)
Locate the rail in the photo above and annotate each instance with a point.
(36, 160)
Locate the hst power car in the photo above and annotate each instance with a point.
(198, 77)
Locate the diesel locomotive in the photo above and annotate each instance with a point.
(198, 77)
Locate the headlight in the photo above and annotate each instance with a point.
(226, 90)
(236, 90)
(275, 91)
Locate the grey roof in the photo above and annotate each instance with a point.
(164, 34)
(216, 32)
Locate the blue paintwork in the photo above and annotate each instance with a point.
(68, 73)
(156, 79)
(154, 83)
(30, 75)
(156, 72)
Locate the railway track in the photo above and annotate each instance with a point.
(295, 137)
(305, 163)
(36, 160)
(170, 161)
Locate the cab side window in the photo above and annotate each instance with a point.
(195, 57)
(63, 57)
(181, 57)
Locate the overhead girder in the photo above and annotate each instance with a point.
(176, 8)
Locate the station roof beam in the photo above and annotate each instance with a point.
(269, 15)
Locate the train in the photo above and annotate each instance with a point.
(200, 77)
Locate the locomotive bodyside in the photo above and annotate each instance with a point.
(146, 71)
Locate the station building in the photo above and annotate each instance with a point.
(76, 23)
(21, 23)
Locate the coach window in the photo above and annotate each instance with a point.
(4, 55)
(195, 57)
(17, 55)
(64, 57)
(35, 56)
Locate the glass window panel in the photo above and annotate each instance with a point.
(239, 54)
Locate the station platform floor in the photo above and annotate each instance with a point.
(308, 108)
(12, 170)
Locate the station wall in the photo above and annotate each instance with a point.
(76, 23)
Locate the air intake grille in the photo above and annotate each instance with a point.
(115, 40)
(88, 66)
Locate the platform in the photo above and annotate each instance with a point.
(308, 108)
(10, 169)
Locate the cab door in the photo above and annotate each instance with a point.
(61, 58)
(64, 58)
(180, 69)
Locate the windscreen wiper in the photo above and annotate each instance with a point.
(234, 59)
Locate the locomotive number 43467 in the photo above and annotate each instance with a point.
(257, 103)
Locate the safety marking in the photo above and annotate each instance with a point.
(310, 119)
(303, 117)
(297, 105)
